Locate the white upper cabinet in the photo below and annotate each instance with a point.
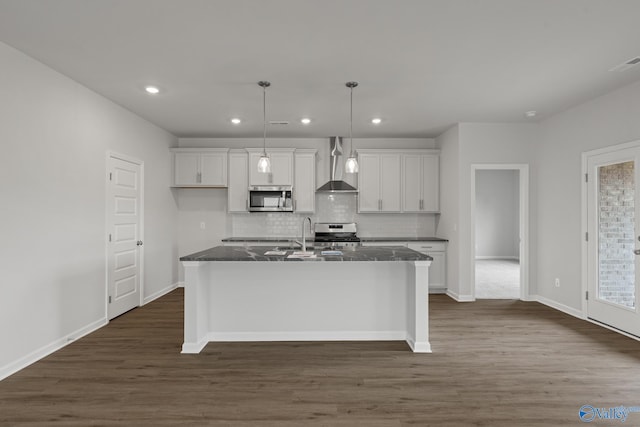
(281, 167)
(238, 191)
(379, 181)
(304, 180)
(421, 181)
(399, 180)
(199, 167)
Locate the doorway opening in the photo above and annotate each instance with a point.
(499, 231)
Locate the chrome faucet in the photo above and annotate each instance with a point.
(304, 239)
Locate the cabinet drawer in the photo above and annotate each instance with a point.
(428, 246)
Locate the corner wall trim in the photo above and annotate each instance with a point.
(34, 356)
(560, 307)
(160, 293)
(460, 298)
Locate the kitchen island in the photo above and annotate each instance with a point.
(261, 294)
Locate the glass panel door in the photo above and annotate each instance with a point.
(613, 246)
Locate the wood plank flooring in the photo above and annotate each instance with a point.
(495, 363)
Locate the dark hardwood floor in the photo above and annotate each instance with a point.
(494, 363)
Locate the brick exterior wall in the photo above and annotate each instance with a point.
(617, 234)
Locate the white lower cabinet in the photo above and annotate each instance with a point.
(438, 269)
(436, 250)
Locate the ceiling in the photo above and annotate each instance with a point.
(422, 65)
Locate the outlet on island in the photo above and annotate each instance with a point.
(557, 282)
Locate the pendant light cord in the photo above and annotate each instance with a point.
(351, 123)
(264, 120)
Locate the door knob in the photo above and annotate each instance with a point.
(139, 243)
(636, 251)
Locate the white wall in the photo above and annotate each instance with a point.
(478, 143)
(447, 224)
(55, 137)
(608, 120)
(497, 214)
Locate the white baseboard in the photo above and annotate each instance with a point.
(604, 325)
(160, 293)
(180, 284)
(417, 347)
(309, 336)
(46, 350)
(558, 306)
(460, 298)
(515, 258)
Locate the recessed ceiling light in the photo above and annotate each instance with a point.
(376, 120)
(153, 90)
(531, 114)
(236, 121)
(305, 121)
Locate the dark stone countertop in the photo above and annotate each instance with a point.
(263, 239)
(362, 239)
(257, 253)
(402, 239)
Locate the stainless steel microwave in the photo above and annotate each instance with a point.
(270, 199)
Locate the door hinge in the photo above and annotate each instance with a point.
(586, 177)
(586, 296)
(109, 236)
(586, 236)
(109, 299)
(110, 176)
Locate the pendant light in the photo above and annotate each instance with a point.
(351, 166)
(264, 163)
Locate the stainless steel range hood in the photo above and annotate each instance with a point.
(334, 185)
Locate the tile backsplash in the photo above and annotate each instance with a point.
(333, 207)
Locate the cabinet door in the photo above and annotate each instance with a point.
(369, 183)
(238, 190)
(213, 169)
(304, 183)
(431, 183)
(438, 268)
(281, 169)
(437, 272)
(390, 183)
(255, 177)
(186, 169)
(412, 182)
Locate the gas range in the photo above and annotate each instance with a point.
(333, 234)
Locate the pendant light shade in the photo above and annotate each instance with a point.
(351, 166)
(264, 163)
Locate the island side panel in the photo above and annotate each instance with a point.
(418, 307)
(196, 311)
(308, 301)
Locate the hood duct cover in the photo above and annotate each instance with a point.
(334, 185)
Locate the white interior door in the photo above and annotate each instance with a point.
(613, 239)
(124, 222)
